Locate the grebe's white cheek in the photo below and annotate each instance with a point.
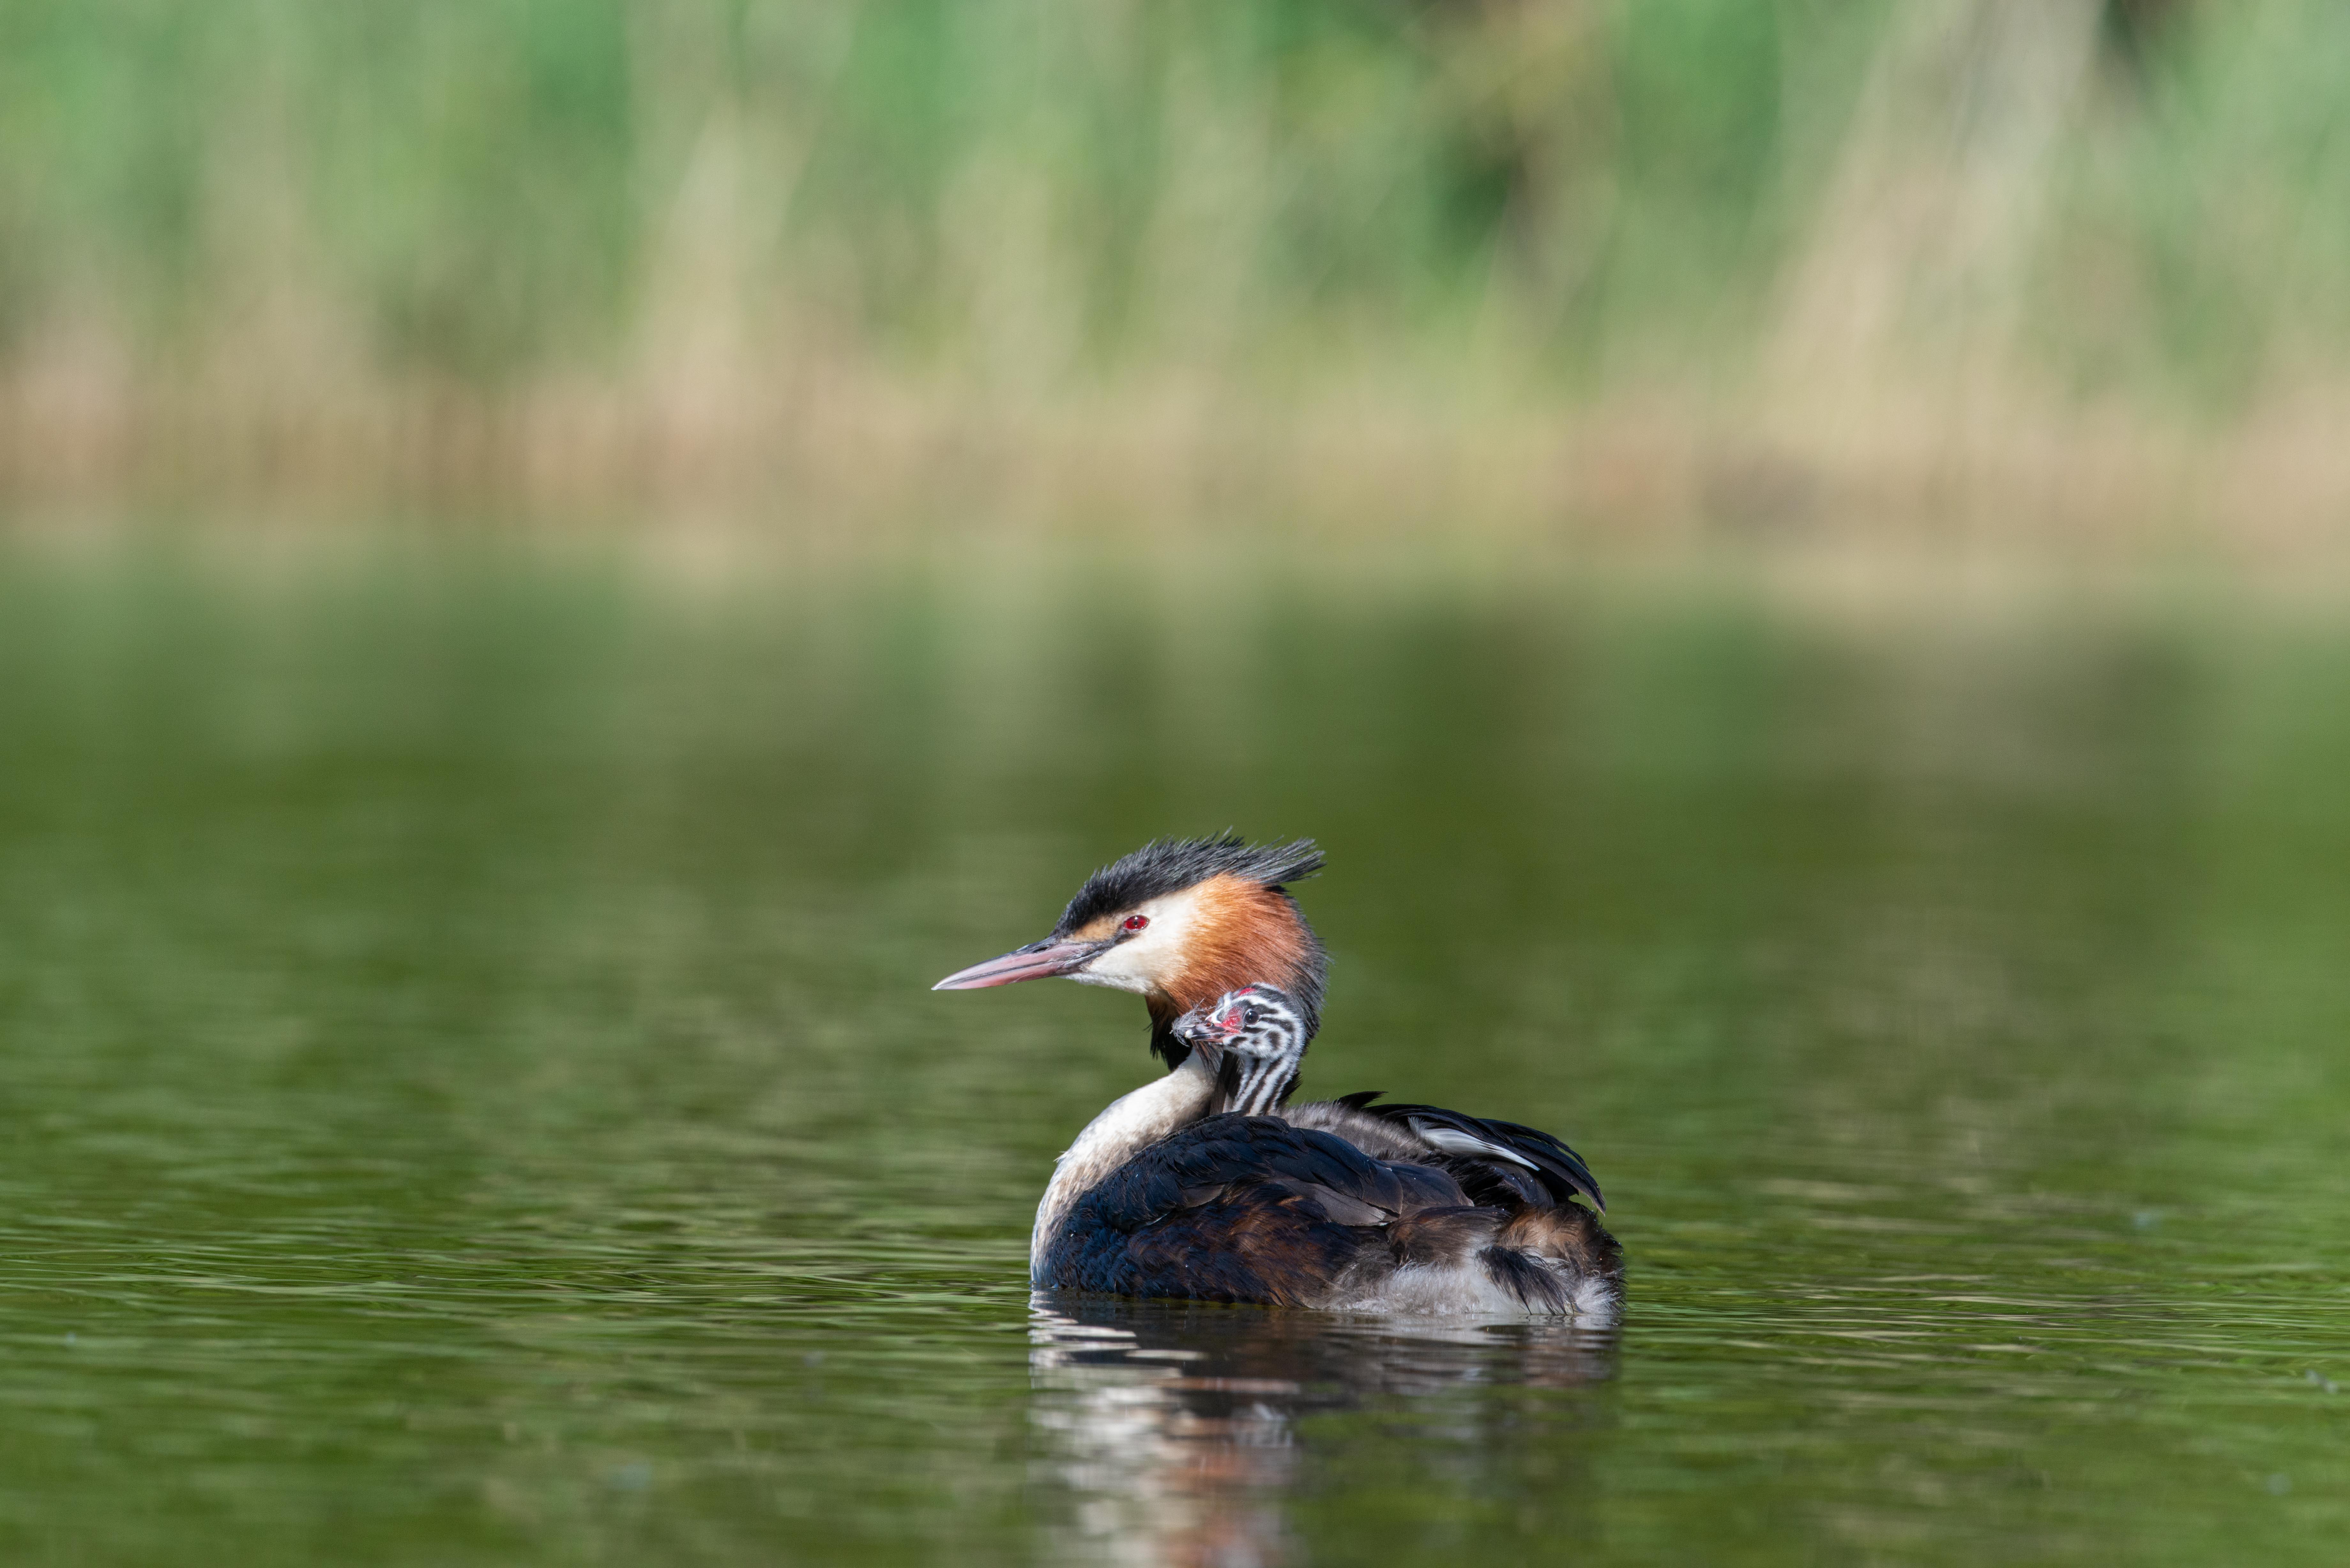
(1147, 960)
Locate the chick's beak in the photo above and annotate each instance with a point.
(1038, 960)
(1202, 1026)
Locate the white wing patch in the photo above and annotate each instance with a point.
(1452, 1140)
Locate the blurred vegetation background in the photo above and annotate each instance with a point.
(1531, 259)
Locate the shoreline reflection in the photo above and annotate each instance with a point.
(1168, 1432)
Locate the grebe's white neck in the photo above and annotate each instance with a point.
(1131, 1124)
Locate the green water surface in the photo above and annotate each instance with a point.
(470, 1092)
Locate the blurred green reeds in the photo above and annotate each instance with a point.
(1530, 258)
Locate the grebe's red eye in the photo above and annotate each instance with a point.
(1136, 922)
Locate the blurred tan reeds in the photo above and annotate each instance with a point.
(2007, 265)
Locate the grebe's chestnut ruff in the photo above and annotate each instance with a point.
(1209, 1184)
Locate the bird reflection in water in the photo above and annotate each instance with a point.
(1171, 1427)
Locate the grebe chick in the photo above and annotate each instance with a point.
(1257, 1037)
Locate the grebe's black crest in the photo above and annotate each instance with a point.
(1167, 865)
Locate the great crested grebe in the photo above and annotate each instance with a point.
(1206, 1184)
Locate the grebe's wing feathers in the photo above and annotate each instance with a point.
(1490, 1157)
